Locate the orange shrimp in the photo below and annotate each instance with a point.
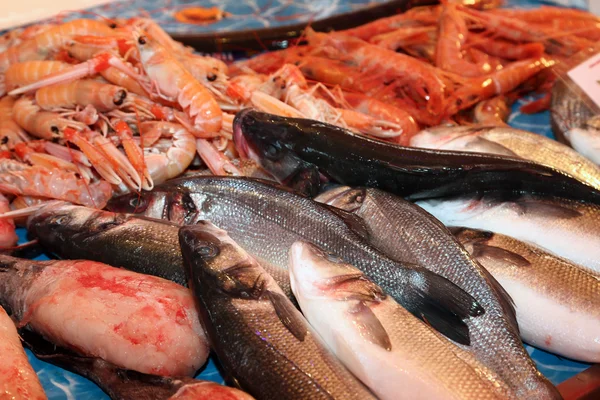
(452, 37)
(497, 83)
(42, 124)
(544, 14)
(406, 36)
(51, 40)
(368, 57)
(20, 179)
(11, 133)
(25, 73)
(505, 49)
(103, 97)
(134, 152)
(174, 83)
(34, 154)
(216, 161)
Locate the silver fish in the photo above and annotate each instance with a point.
(260, 337)
(407, 233)
(511, 142)
(565, 228)
(558, 303)
(387, 348)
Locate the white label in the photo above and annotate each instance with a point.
(587, 76)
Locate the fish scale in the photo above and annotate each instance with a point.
(407, 233)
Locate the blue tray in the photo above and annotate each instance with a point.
(61, 384)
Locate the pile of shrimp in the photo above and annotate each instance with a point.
(429, 65)
(92, 108)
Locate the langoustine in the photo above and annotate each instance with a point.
(135, 321)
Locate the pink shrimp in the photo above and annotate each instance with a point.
(506, 49)
(406, 36)
(51, 40)
(134, 153)
(25, 73)
(35, 153)
(41, 124)
(8, 236)
(20, 179)
(103, 97)
(174, 83)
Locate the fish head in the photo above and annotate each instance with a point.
(318, 274)
(216, 262)
(261, 138)
(59, 223)
(343, 197)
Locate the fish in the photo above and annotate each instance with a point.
(123, 384)
(386, 347)
(143, 245)
(265, 219)
(575, 119)
(557, 303)
(18, 380)
(297, 150)
(513, 143)
(563, 227)
(260, 338)
(407, 233)
(135, 321)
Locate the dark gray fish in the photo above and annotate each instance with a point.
(260, 337)
(123, 384)
(407, 233)
(266, 219)
(139, 244)
(294, 150)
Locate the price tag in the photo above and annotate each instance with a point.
(587, 76)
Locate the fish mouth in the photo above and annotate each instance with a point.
(243, 147)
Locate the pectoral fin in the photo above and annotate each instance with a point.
(288, 315)
(369, 326)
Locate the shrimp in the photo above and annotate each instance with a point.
(407, 36)
(51, 40)
(10, 132)
(34, 154)
(8, 235)
(453, 34)
(103, 97)
(497, 83)
(369, 57)
(20, 179)
(25, 73)
(134, 152)
(172, 154)
(505, 49)
(41, 124)
(174, 83)
(216, 161)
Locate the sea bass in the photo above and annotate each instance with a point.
(266, 219)
(296, 151)
(558, 303)
(387, 348)
(122, 384)
(134, 321)
(139, 244)
(18, 380)
(407, 233)
(261, 339)
(566, 228)
(513, 143)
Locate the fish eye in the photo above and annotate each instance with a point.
(271, 151)
(142, 40)
(208, 250)
(137, 202)
(59, 220)
(112, 25)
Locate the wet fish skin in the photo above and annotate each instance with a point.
(135, 321)
(266, 219)
(18, 380)
(565, 228)
(122, 384)
(514, 142)
(558, 303)
(407, 233)
(139, 244)
(286, 147)
(261, 339)
(382, 344)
